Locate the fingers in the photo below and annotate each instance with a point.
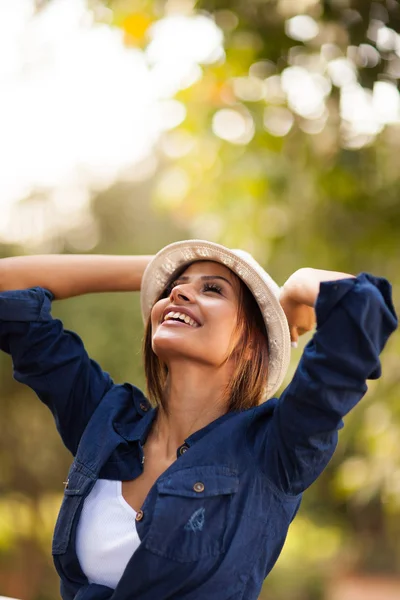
(296, 332)
(294, 336)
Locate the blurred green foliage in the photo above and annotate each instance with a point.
(295, 199)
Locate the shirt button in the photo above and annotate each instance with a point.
(183, 449)
(139, 515)
(199, 487)
(144, 406)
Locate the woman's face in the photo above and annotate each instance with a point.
(206, 294)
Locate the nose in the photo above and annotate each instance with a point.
(181, 293)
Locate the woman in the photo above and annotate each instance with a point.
(193, 498)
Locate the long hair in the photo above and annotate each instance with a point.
(250, 355)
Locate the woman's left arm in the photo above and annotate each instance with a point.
(299, 295)
(354, 318)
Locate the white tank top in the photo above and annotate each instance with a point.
(106, 536)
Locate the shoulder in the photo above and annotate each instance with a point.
(139, 400)
(126, 406)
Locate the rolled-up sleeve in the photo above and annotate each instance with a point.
(52, 361)
(355, 318)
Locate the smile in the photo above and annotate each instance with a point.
(179, 317)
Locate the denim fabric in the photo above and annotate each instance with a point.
(215, 521)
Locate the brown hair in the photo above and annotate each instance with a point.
(249, 378)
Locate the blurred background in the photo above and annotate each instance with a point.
(271, 125)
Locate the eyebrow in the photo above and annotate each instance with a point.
(205, 278)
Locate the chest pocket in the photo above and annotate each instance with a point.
(78, 485)
(191, 513)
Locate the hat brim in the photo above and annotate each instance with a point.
(264, 289)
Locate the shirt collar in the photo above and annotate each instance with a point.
(138, 432)
(198, 435)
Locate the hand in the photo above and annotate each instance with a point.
(299, 295)
(301, 318)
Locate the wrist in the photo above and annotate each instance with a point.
(302, 287)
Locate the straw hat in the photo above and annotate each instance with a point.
(264, 289)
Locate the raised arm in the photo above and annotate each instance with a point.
(299, 295)
(294, 437)
(73, 275)
(47, 358)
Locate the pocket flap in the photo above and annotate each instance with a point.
(200, 482)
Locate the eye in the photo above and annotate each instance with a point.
(212, 287)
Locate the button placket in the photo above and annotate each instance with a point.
(183, 449)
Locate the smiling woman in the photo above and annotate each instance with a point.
(191, 495)
(233, 335)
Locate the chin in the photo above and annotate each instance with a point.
(168, 349)
(166, 346)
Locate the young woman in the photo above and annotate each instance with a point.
(190, 496)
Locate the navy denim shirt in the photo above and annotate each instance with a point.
(215, 521)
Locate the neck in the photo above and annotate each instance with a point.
(194, 398)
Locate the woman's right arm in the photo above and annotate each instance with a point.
(50, 360)
(73, 275)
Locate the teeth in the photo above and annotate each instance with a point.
(177, 315)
